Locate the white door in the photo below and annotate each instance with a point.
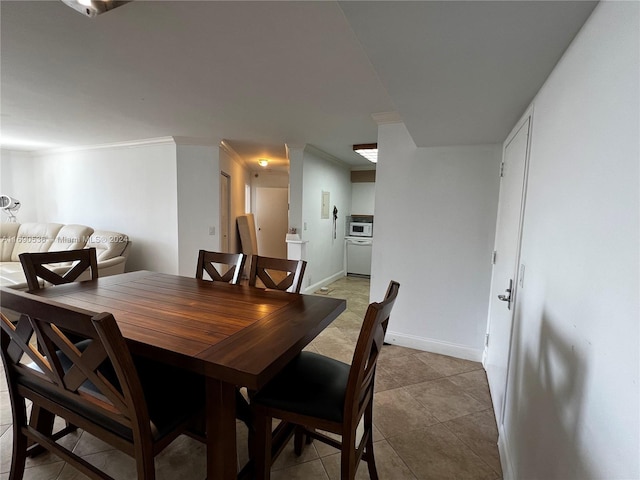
(225, 193)
(272, 211)
(505, 269)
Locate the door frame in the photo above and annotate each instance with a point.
(495, 288)
(225, 212)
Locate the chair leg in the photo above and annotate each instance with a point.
(18, 456)
(144, 462)
(348, 456)
(368, 449)
(298, 440)
(20, 443)
(262, 446)
(301, 438)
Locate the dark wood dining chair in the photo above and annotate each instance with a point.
(277, 273)
(58, 268)
(231, 263)
(137, 406)
(315, 392)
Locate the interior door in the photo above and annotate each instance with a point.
(505, 270)
(225, 208)
(272, 212)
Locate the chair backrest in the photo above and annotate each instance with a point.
(363, 367)
(95, 384)
(277, 273)
(232, 262)
(58, 267)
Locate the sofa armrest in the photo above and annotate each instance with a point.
(111, 266)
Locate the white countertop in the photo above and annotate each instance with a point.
(358, 238)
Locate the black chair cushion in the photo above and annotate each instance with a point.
(311, 384)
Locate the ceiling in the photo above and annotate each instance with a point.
(264, 74)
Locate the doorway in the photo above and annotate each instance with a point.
(505, 275)
(272, 212)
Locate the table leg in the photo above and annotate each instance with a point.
(221, 430)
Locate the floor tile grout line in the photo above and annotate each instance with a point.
(470, 447)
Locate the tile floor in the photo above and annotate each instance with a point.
(432, 414)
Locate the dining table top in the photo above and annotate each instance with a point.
(234, 333)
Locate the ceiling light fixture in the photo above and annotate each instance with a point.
(93, 8)
(263, 162)
(368, 151)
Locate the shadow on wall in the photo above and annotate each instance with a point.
(546, 414)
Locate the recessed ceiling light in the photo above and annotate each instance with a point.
(368, 151)
(263, 162)
(92, 8)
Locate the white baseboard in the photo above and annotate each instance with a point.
(434, 346)
(505, 457)
(317, 286)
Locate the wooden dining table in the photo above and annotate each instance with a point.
(234, 335)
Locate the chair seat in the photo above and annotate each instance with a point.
(312, 385)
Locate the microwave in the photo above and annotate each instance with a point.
(360, 229)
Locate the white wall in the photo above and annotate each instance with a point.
(573, 405)
(296, 181)
(162, 193)
(434, 231)
(17, 174)
(131, 190)
(325, 255)
(198, 193)
(363, 198)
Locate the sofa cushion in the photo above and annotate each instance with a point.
(12, 275)
(112, 248)
(71, 237)
(108, 244)
(8, 232)
(34, 237)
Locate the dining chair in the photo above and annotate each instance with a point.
(136, 405)
(277, 273)
(232, 262)
(58, 268)
(315, 392)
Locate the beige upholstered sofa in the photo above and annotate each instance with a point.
(111, 248)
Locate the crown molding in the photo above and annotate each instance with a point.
(233, 154)
(201, 142)
(130, 144)
(295, 146)
(325, 156)
(145, 142)
(386, 117)
(363, 168)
